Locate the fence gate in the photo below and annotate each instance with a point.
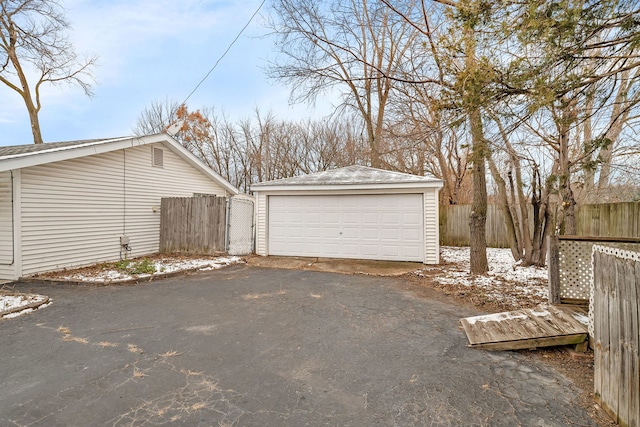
(240, 226)
(616, 295)
(192, 224)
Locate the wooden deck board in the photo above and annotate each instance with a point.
(527, 328)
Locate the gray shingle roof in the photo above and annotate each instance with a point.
(350, 175)
(19, 150)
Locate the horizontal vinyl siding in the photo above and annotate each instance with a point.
(74, 211)
(261, 224)
(6, 235)
(431, 227)
(146, 185)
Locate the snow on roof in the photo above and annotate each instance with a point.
(350, 175)
(29, 149)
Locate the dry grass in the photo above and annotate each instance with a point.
(107, 344)
(198, 406)
(171, 353)
(134, 349)
(76, 339)
(139, 374)
(265, 295)
(64, 330)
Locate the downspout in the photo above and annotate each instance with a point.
(13, 228)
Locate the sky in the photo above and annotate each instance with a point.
(154, 50)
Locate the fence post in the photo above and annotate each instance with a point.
(554, 270)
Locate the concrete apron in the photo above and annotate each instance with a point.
(336, 265)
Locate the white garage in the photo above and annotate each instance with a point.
(352, 212)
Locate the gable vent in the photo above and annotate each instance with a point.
(157, 155)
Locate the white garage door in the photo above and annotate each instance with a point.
(382, 227)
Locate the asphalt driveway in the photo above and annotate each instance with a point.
(247, 346)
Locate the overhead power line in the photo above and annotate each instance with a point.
(226, 51)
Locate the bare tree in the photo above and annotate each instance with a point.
(352, 47)
(156, 117)
(258, 148)
(33, 39)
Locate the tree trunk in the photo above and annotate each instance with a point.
(542, 226)
(472, 98)
(504, 206)
(35, 122)
(478, 217)
(566, 193)
(25, 92)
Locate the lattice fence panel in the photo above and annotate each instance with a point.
(575, 269)
(575, 262)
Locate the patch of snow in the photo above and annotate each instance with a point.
(496, 317)
(163, 266)
(541, 313)
(505, 281)
(581, 318)
(14, 302)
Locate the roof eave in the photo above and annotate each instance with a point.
(25, 160)
(348, 187)
(20, 161)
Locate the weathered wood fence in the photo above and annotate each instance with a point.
(454, 226)
(193, 224)
(611, 220)
(604, 220)
(616, 333)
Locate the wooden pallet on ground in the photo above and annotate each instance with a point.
(542, 326)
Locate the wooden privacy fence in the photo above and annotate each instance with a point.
(454, 226)
(616, 295)
(193, 224)
(611, 220)
(604, 220)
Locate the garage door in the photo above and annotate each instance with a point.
(382, 227)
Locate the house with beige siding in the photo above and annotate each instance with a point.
(76, 203)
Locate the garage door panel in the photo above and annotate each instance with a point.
(350, 226)
(370, 218)
(350, 232)
(370, 250)
(391, 234)
(411, 235)
(350, 250)
(391, 251)
(350, 218)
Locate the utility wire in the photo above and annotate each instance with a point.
(226, 51)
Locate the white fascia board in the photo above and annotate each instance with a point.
(347, 188)
(190, 158)
(25, 160)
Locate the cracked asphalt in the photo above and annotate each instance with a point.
(247, 346)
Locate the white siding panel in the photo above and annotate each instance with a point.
(431, 227)
(6, 234)
(146, 185)
(74, 211)
(261, 224)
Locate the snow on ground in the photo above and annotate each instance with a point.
(107, 273)
(10, 304)
(162, 266)
(507, 283)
